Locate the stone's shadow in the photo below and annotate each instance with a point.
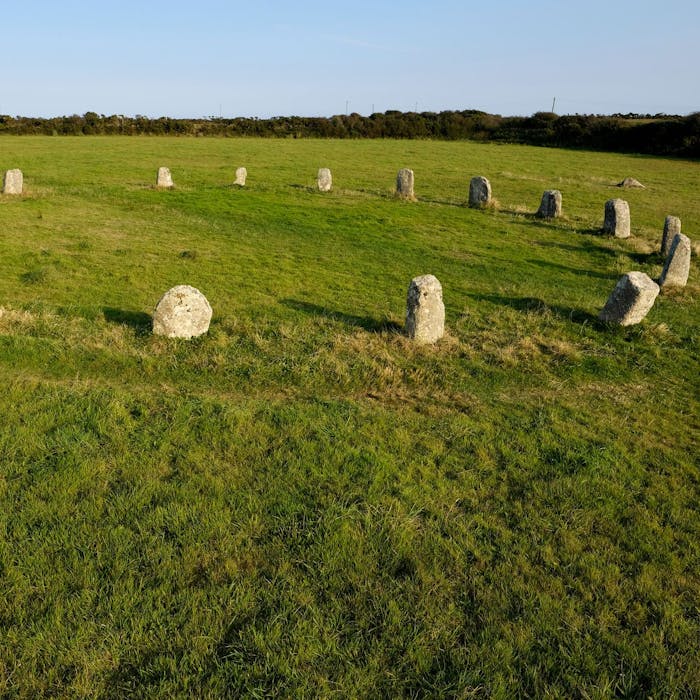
(305, 188)
(367, 322)
(575, 248)
(594, 232)
(573, 270)
(645, 258)
(535, 304)
(139, 321)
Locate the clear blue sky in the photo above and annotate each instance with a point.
(265, 58)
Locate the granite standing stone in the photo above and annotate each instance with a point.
(241, 175)
(631, 299)
(479, 192)
(13, 182)
(404, 184)
(425, 311)
(324, 180)
(164, 179)
(677, 265)
(550, 206)
(617, 218)
(672, 226)
(182, 312)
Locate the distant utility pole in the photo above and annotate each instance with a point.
(554, 99)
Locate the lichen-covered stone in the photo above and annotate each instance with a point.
(324, 180)
(241, 175)
(550, 206)
(479, 192)
(677, 265)
(672, 226)
(617, 218)
(13, 182)
(425, 310)
(182, 312)
(631, 299)
(164, 179)
(404, 184)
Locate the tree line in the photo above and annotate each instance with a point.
(658, 134)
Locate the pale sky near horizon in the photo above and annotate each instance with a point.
(268, 58)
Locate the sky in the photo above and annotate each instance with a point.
(267, 58)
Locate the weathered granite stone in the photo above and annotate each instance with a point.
(324, 180)
(241, 175)
(479, 192)
(550, 206)
(617, 218)
(182, 312)
(425, 311)
(677, 265)
(164, 178)
(13, 182)
(631, 299)
(631, 182)
(672, 226)
(404, 184)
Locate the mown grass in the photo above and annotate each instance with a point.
(302, 503)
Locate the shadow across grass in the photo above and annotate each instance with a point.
(367, 322)
(573, 270)
(539, 306)
(139, 321)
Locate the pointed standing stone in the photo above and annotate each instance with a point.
(479, 192)
(677, 266)
(425, 311)
(672, 226)
(631, 299)
(241, 175)
(324, 180)
(550, 206)
(13, 182)
(182, 312)
(404, 184)
(617, 218)
(164, 178)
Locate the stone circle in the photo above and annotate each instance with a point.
(404, 184)
(617, 218)
(550, 206)
(630, 301)
(182, 312)
(425, 310)
(13, 182)
(672, 226)
(164, 178)
(324, 180)
(677, 265)
(241, 175)
(479, 192)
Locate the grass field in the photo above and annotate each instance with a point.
(301, 503)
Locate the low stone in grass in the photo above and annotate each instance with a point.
(324, 180)
(13, 182)
(164, 179)
(677, 265)
(631, 182)
(672, 226)
(617, 218)
(425, 311)
(550, 206)
(404, 184)
(241, 175)
(182, 312)
(631, 299)
(479, 192)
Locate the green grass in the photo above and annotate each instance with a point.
(302, 503)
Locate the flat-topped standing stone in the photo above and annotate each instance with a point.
(164, 179)
(13, 182)
(241, 175)
(404, 184)
(677, 266)
(182, 312)
(631, 299)
(479, 192)
(617, 218)
(425, 311)
(324, 180)
(550, 206)
(672, 226)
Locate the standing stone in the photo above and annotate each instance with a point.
(13, 182)
(324, 180)
(617, 218)
(241, 175)
(479, 192)
(672, 226)
(182, 312)
(677, 266)
(631, 299)
(404, 184)
(425, 311)
(164, 179)
(550, 206)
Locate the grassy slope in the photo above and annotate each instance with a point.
(301, 502)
